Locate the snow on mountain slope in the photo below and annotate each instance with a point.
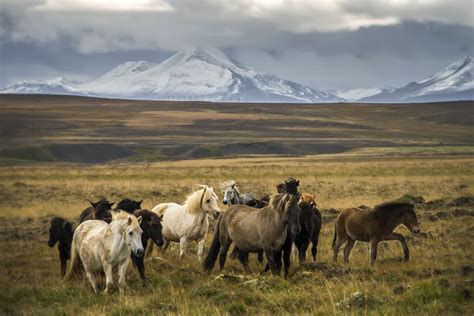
(206, 74)
(356, 94)
(197, 74)
(455, 82)
(58, 85)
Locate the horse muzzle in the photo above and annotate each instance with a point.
(295, 229)
(139, 252)
(51, 243)
(225, 202)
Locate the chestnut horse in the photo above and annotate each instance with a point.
(374, 226)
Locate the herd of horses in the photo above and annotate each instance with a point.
(107, 238)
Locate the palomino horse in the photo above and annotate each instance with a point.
(188, 222)
(253, 230)
(61, 232)
(373, 226)
(102, 247)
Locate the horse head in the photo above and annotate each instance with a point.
(410, 220)
(208, 201)
(60, 230)
(151, 226)
(287, 205)
(133, 234)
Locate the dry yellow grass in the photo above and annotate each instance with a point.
(439, 275)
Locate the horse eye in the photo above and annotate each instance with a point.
(208, 201)
(130, 233)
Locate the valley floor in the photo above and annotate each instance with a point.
(439, 279)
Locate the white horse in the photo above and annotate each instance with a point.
(188, 222)
(101, 247)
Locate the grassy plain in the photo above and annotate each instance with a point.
(439, 279)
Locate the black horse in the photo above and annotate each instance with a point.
(151, 227)
(129, 205)
(61, 232)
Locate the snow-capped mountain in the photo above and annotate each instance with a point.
(58, 85)
(198, 74)
(455, 82)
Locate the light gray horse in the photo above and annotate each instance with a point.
(233, 196)
(253, 230)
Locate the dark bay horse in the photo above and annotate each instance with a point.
(253, 230)
(311, 223)
(151, 227)
(61, 232)
(99, 210)
(129, 205)
(374, 226)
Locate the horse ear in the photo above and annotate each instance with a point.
(140, 203)
(93, 204)
(111, 203)
(139, 219)
(298, 182)
(161, 217)
(129, 222)
(233, 186)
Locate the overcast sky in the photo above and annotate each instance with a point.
(324, 44)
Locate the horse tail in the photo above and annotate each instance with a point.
(211, 257)
(75, 266)
(160, 209)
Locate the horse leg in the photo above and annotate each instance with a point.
(347, 249)
(92, 281)
(401, 239)
(302, 251)
(63, 267)
(260, 256)
(223, 253)
(121, 272)
(244, 260)
(109, 282)
(166, 244)
(200, 248)
(271, 260)
(337, 244)
(149, 248)
(287, 260)
(183, 247)
(314, 248)
(374, 243)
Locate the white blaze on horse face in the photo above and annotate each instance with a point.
(134, 237)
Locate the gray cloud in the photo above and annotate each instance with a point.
(313, 42)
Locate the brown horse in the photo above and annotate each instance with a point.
(253, 230)
(373, 226)
(100, 210)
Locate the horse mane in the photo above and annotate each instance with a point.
(123, 216)
(386, 209)
(228, 184)
(194, 200)
(278, 202)
(146, 215)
